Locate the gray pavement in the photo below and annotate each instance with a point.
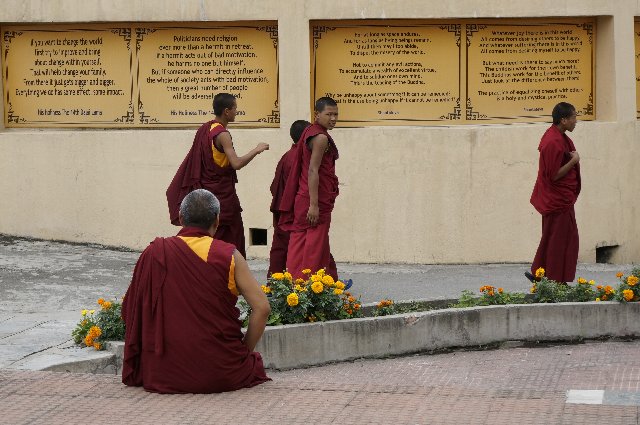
(45, 284)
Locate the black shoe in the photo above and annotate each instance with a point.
(530, 277)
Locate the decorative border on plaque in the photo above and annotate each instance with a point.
(140, 33)
(456, 114)
(470, 29)
(124, 33)
(454, 28)
(471, 115)
(273, 33)
(128, 118)
(13, 118)
(274, 116)
(8, 38)
(317, 34)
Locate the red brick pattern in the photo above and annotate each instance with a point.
(509, 386)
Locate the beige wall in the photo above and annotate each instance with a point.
(408, 194)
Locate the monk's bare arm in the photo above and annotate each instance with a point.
(237, 162)
(319, 145)
(260, 309)
(575, 158)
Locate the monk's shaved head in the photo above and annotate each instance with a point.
(199, 208)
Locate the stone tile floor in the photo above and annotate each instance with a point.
(597, 382)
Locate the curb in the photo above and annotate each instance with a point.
(312, 344)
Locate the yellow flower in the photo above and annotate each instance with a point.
(266, 289)
(312, 318)
(338, 291)
(582, 280)
(597, 299)
(97, 346)
(306, 271)
(632, 280)
(339, 285)
(540, 272)
(533, 289)
(299, 281)
(327, 280)
(628, 294)
(320, 272)
(91, 311)
(316, 278)
(84, 312)
(292, 299)
(592, 282)
(84, 322)
(288, 276)
(619, 275)
(277, 276)
(106, 305)
(317, 287)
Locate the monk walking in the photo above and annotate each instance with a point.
(183, 329)
(554, 195)
(310, 194)
(280, 242)
(211, 164)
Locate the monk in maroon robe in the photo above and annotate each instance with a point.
(280, 242)
(211, 164)
(183, 332)
(310, 194)
(554, 195)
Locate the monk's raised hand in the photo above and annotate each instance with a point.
(261, 147)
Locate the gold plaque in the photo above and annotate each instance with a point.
(135, 75)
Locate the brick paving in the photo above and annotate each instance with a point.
(522, 385)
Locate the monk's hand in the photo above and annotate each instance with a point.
(313, 214)
(575, 157)
(261, 147)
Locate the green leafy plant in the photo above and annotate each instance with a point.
(385, 308)
(97, 327)
(316, 298)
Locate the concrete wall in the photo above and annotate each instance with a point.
(408, 194)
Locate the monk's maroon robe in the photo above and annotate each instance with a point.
(554, 200)
(183, 332)
(309, 245)
(200, 170)
(280, 242)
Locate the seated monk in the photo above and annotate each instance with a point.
(183, 332)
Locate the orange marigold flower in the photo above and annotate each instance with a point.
(351, 299)
(97, 346)
(287, 275)
(88, 340)
(540, 272)
(632, 280)
(608, 289)
(277, 276)
(306, 271)
(95, 331)
(604, 297)
(316, 278)
(299, 281)
(619, 275)
(339, 285)
(320, 272)
(327, 280)
(100, 301)
(266, 289)
(599, 287)
(312, 318)
(582, 280)
(106, 305)
(349, 311)
(533, 289)
(337, 291)
(628, 294)
(356, 306)
(500, 290)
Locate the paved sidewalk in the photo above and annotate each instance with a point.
(593, 383)
(45, 284)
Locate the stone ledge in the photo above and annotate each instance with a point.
(302, 345)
